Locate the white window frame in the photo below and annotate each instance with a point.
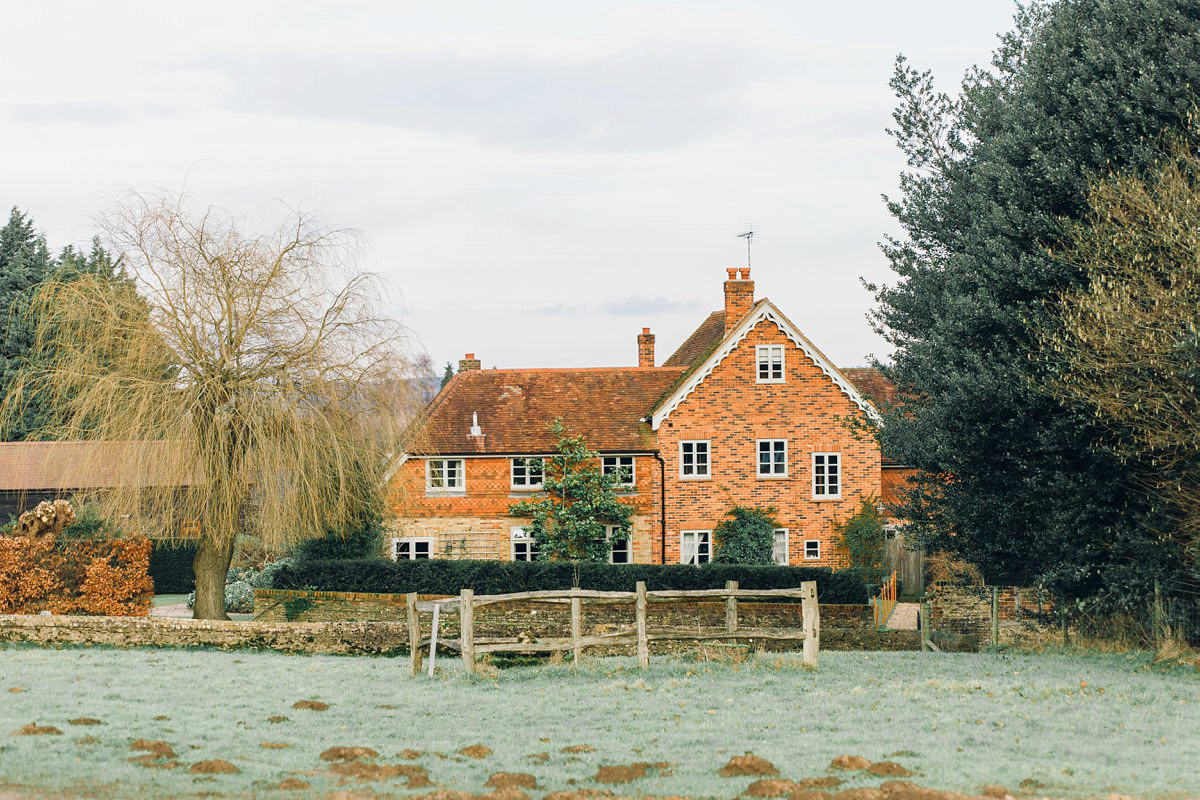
(707, 460)
(428, 541)
(527, 486)
(693, 557)
(632, 482)
(765, 354)
(609, 530)
(812, 543)
(518, 534)
(459, 488)
(758, 458)
(825, 494)
(787, 555)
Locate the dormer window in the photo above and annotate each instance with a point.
(770, 363)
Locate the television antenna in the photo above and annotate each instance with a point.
(748, 235)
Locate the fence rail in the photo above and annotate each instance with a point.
(885, 604)
(638, 633)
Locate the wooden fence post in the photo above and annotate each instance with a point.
(576, 629)
(414, 632)
(1066, 631)
(812, 622)
(466, 634)
(1159, 617)
(433, 637)
(995, 615)
(925, 619)
(643, 645)
(731, 607)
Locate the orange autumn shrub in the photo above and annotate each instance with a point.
(105, 577)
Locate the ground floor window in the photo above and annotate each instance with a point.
(695, 547)
(779, 547)
(619, 551)
(524, 546)
(412, 547)
(812, 549)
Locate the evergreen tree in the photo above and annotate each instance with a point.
(1015, 479)
(24, 264)
(447, 375)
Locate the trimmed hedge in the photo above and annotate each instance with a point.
(171, 567)
(448, 576)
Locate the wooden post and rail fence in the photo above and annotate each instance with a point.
(640, 633)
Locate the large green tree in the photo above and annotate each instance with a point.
(1016, 480)
(24, 263)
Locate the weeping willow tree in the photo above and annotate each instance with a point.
(250, 382)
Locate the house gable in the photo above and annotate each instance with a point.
(763, 312)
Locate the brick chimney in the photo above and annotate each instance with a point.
(470, 362)
(739, 296)
(645, 348)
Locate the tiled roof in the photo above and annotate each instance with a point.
(871, 382)
(516, 407)
(702, 341)
(83, 465)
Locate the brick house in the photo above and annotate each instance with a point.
(746, 411)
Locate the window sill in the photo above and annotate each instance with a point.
(773, 477)
(695, 477)
(827, 499)
(526, 489)
(445, 492)
(776, 380)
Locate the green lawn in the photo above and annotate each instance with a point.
(961, 721)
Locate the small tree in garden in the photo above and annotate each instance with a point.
(254, 368)
(746, 537)
(863, 536)
(571, 522)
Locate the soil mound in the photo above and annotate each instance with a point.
(849, 763)
(162, 718)
(476, 751)
(578, 748)
(541, 758)
(996, 791)
(156, 747)
(311, 705)
(348, 753)
(771, 787)
(633, 772)
(417, 777)
(84, 721)
(274, 745)
(292, 783)
(33, 729)
(579, 794)
(749, 764)
(213, 766)
(511, 780)
(410, 755)
(889, 769)
(275, 720)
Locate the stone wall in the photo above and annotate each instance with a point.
(337, 638)
(962, 615)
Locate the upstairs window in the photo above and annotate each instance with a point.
(527, 473)
(621, 468)
(772, 458)
(412, 548)
(827, 475)
(770, 363)
(695, 547)
(619, 551)
(445, 475)
(779, 547)
(693, 459)
(524, 546)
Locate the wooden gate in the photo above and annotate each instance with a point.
(908, 564)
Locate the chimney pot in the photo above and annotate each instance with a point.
(732, 273)
(645, 330)
(745, 273)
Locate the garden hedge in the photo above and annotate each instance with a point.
(448, 576)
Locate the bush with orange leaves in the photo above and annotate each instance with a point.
(105, 577)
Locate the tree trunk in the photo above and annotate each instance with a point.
(211, 567)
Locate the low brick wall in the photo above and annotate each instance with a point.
(337, 638)
(961, 616)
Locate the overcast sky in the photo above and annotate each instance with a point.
(537, 181)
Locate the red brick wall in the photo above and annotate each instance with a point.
(732, 411)
(894, 482)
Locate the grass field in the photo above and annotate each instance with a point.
(1077, 725)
